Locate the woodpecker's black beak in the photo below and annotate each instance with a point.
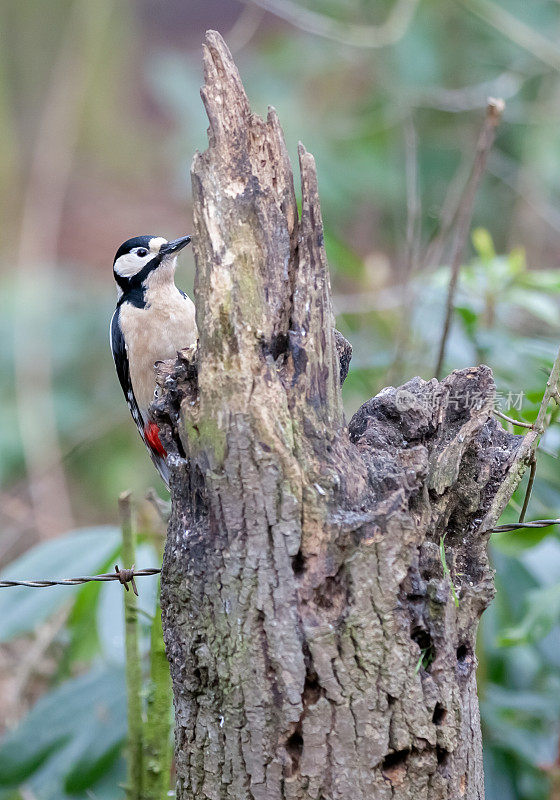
(174, 246)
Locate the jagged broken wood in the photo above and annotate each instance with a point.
(316, 649)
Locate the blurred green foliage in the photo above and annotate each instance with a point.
(71, 742)
(393, 130)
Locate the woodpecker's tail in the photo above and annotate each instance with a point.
(162, 468)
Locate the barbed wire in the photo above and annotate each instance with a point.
(515, 526)
(124, 576)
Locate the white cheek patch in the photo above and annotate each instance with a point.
(130, 264)
(156, 243)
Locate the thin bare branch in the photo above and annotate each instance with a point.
(448, 213)
(513, 421)
(365, 36)
(532, 474)
(551, 393)
(412, 251)
(245, 27)
(473, 97)
(494, 111)
(519, 180)
(413, 201)
(516, 31)
(526, 451)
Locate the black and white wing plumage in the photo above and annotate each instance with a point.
(120, 357)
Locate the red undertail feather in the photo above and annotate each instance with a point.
(151, 432)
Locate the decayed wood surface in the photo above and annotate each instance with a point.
(315, 644)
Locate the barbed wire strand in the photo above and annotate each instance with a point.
(124, 576)
(516, 526)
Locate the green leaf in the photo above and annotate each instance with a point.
(498, 780)
(543, 612)
(543, 562)
(84, 637)
(84, 641)
(71, 735)
(543, 280)
(469, 319)
(517, 262)
(83, 552)
(523, 725)
(483, 244)
(539, 705)
(539, 305)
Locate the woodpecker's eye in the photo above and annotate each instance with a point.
(141, 252)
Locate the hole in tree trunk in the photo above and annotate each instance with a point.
(426, 645)
(312, 690)
(462, 652)
(332, 592)
(465, 660)
(277, 346)
(439, 714)
(298, 563)
(394, 765)
(294, 748)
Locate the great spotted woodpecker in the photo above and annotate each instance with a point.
(152, 321)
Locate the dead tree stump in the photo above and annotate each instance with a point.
(320, 635)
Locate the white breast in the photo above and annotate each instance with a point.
(154, 333)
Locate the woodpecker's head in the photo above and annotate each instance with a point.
(144, 258)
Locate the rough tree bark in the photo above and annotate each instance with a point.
(320, 645)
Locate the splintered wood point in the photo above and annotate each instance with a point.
(262, 278)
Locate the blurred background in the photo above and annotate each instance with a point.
(100, 115)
